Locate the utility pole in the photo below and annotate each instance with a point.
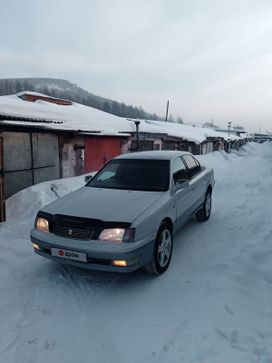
(229, 126)
(167, 109)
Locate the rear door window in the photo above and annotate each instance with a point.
(192, 165)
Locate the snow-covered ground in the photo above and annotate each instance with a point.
(213, 305)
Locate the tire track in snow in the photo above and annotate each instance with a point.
(78, 288)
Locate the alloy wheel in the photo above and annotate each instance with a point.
(164, 247)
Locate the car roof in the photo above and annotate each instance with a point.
(152, 155)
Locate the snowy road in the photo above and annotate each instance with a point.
(213, 305)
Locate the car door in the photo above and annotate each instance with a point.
(197, 183)
(182, 194)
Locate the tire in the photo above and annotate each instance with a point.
(204, 213)
(162, 251)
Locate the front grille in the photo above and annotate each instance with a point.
(73, 232)
(79, 228)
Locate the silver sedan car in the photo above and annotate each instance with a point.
(125, 217)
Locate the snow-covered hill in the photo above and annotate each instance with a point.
(213, 305)
(61, 88)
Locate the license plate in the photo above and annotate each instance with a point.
(70, 255)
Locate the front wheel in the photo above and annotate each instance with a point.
(162, 251)
(204, 213)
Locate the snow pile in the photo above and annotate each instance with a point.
(212, 305)
(20, 207)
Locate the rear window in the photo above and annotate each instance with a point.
(133, 174)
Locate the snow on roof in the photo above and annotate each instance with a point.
(186, 132)
(75, 117)
(32, 93)
(225, 136)
(85, 119)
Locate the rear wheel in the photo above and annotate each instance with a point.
(205, 212)
(162, 251)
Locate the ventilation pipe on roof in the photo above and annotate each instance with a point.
(137, 123)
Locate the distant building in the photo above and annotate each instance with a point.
(210, 124)
(258, 137)
(241, 128)
(231, 131)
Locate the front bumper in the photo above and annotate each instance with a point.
(99, 254)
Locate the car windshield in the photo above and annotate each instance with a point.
(133, 174)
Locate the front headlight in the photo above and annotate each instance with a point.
(117, 235)
(42, 224)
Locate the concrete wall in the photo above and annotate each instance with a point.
(72, 155)
(126, 145)
(207, 147)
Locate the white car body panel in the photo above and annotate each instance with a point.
(104, 204)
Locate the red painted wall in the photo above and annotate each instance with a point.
(99, 150)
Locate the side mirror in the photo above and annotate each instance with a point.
(180, 177)
(182, 183)
(87, 178)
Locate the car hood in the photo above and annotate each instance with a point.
(112, 205)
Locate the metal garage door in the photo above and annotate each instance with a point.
(29, 158)
(100, 150)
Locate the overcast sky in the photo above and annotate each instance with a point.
(211, 58)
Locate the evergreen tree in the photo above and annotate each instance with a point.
(170, 119)
(106, 106)
(18, 86)
(115, 109)
(45, 91)
(179, 120)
